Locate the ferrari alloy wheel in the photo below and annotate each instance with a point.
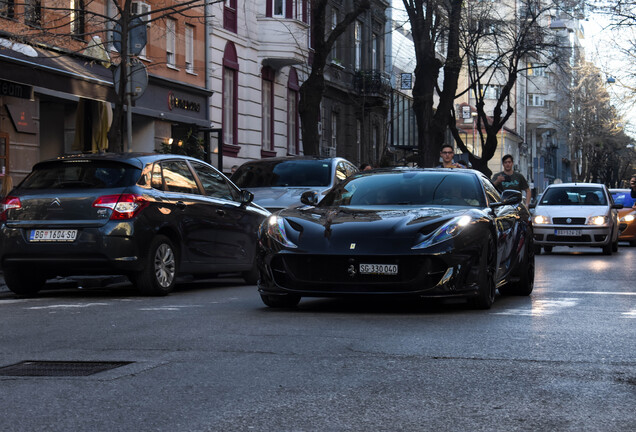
(487, 287)
(525, 284)
(280, 301)
(23, 281)
(159, 275)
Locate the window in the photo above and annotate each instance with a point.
(334, 23)
(374, 51)
(334, 129)
(230, 98)
(267, 108)
(213, 182)
(491, 91)
(78, 17)
(292, 113)
(171, 41)
(279, 8)
(178, 178)
(230, 15)
(7, 8)
(536, 69)
(189, 52)
(33, 13)
(535, 100)
(357, 33)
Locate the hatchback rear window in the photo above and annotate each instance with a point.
(86, 174)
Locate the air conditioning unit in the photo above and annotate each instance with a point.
(142, 9)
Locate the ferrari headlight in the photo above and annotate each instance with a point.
(276, 231)
(628, 218)
(447, 231)
(597, 220)
(540, 219)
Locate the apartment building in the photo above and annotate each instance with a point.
(57, 78)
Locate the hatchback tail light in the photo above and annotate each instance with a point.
(124, 206)
(8, 203)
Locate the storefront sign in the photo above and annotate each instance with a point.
(182, 103)
(22, 114)
(8, 88)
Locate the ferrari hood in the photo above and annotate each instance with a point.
(363, 229)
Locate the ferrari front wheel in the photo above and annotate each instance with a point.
(487, 286)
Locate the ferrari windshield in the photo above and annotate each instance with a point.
(408, 188)
(283, 173)
(573, 196)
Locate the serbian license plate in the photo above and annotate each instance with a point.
(567, 232)
(52, 235)
(380, 269)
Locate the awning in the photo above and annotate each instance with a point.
(51, 70)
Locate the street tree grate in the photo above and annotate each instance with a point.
(58, 368)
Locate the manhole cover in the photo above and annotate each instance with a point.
(58, 368)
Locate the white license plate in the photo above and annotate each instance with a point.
(381, 269)
(52, 235)
(567, 232)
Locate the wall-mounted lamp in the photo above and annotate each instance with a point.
(170, 141)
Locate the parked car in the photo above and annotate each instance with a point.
(576, 214)
(278, 183)
(400, 232)
(148, 216)
(626, 215)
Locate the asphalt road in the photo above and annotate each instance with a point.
(211, 357)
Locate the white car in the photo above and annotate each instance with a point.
(576, 214)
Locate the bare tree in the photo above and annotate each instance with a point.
(498, 42)
(598, 143)
(435, 24)
(313, 88)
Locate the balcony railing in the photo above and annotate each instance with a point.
(372, 82)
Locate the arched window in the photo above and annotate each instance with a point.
(292, 113)
(230, 94)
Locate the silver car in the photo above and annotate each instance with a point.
(576, 214)
(278, 183)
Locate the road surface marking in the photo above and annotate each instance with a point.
(541, 308)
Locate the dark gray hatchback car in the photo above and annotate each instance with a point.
(150, 217)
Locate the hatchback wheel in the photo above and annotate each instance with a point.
(24, 282)
(159, 274)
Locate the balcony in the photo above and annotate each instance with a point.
(372, 82)
(283, 42)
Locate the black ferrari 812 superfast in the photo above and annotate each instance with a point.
(431, 233)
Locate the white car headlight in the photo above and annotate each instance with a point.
(447, 231)
(597, 220)
(276, 231)
(540, 219)
(628, 218)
